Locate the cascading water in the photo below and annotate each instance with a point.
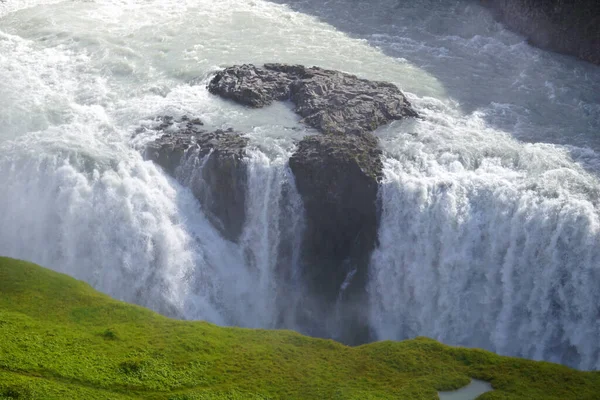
(490, 224)
(244, 288)
(274, 219)
(112, 220)
(488, 243)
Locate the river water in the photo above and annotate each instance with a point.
(490, 225)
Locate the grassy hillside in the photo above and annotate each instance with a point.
(60, 339)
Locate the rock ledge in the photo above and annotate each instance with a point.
(331, 101)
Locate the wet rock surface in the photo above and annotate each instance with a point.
(210, 163)
(331, 101)
(336, 172)
(337, 177)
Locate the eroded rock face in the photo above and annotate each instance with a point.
(570, 27)
(211, 164)
(336, 172)
(331, 101)
(337, 177)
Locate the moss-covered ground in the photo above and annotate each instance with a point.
(61, 339)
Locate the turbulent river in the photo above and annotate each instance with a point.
(490, 227)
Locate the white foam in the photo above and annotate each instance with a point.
(487, 242)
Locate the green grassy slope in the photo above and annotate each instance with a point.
(60, 339)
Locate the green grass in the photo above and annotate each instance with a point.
(60, 339)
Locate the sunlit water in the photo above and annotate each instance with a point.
(490, 228)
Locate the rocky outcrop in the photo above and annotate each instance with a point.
(337, 178)
(337, 175)
(331, 101)
(210, 163)
(569, 27)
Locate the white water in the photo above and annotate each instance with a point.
(485, 240)
(488, 243)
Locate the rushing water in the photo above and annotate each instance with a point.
(490, 232)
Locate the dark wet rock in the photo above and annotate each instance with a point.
(210, 163)
(337, 177)
(570, 27)
(251, 86)
(331, 101)
(336, 173)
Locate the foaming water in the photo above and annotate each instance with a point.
(114, 222)
(534, 95)
(274, 219)
(485, 240)
(78, 78)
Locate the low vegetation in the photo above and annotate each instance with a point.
(60, 339)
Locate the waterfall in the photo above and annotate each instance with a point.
(489, 232)
(121, 225)
(115, 222)
(272, 234)
(492, 245)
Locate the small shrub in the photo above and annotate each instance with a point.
(132, 367)
(109, 334)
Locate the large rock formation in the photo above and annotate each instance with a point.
(211, 163)
(337, 178)
(330, 101)
(569, 27)
(337, 175)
